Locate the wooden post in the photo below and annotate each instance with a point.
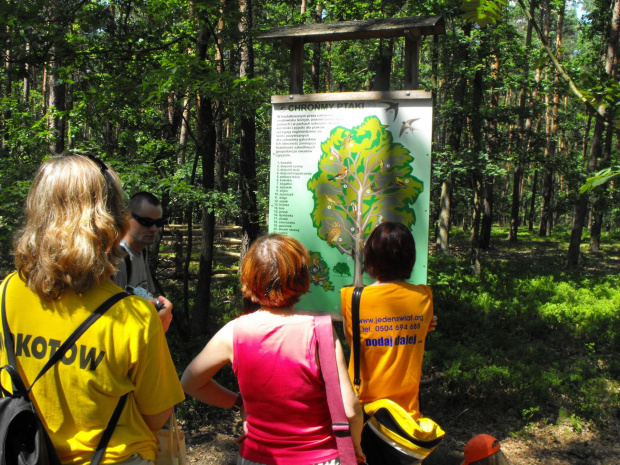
(296, 85)
(412, 60)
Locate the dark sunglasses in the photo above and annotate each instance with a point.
(148, 222)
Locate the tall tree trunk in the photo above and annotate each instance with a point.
(572, 257)
(454, 131)
(476, 129)
(222, 152)
(6, 92)
(56, 101)
(545, 225)
(489, 180)
(601, 203)
(184, 133)
(247, 156)
(533, 202)
(524, 130)
(205, 150)
(316, 51)
(443, 229)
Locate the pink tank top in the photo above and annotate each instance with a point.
(288, 417)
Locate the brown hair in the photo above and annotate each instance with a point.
(389, 253)
(274, 272)
(75, 220)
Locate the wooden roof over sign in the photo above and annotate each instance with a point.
(411, 27)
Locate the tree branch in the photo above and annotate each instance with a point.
(558, 66)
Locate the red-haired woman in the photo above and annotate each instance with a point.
(273, 352)
(392, 346)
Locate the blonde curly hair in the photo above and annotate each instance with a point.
(75, 220)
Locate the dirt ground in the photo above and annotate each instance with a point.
(564, 443)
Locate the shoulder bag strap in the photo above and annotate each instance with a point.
(8, 341)
(128, 267)
(78, 332)
(8, 338)
(329, 370)
(355, 339)
(107, 434)
(17, 381)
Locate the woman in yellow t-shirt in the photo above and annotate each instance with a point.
(395, 317)
(65, 254)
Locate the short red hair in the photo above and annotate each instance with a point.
(274, 272)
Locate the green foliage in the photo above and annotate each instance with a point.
(483, 12)
(598, 179)
(524, 331)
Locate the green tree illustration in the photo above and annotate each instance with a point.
(319, 271)
(363, 178)
(342, 268)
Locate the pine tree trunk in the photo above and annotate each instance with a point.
(572, 257)
(525, 126)
(247, 155)
(205, 151)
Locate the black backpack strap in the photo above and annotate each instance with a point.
(128, 267)
(355, 328)
(107, 433)
(8, 338)
(18, 384)
(65, 346)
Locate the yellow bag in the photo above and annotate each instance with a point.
(394, 426)
(171, 444)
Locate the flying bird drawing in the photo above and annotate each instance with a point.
(392, 106)
(407, 125)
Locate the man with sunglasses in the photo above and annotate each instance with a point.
(146, 219)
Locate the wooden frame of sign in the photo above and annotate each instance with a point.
(412, 29)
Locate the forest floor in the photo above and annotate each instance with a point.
(565, 441)
(558, 444)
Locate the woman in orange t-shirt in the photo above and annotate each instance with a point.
(395, 317)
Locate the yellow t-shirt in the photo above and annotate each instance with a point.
(394, 320)
(123, 351)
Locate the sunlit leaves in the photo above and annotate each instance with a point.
(483, 12)
(598, 179)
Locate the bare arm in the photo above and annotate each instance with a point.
(155, 422)
(165, 314)
(351, 403)
(197, 379)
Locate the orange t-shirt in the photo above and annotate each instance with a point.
(394, 320)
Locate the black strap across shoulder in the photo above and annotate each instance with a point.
(355, 329)
(18, 384)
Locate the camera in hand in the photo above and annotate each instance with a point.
(144, 293)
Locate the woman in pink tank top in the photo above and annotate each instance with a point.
(273, 352)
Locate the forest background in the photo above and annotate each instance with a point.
(175, 95)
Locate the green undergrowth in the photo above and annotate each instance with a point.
(526, 337)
